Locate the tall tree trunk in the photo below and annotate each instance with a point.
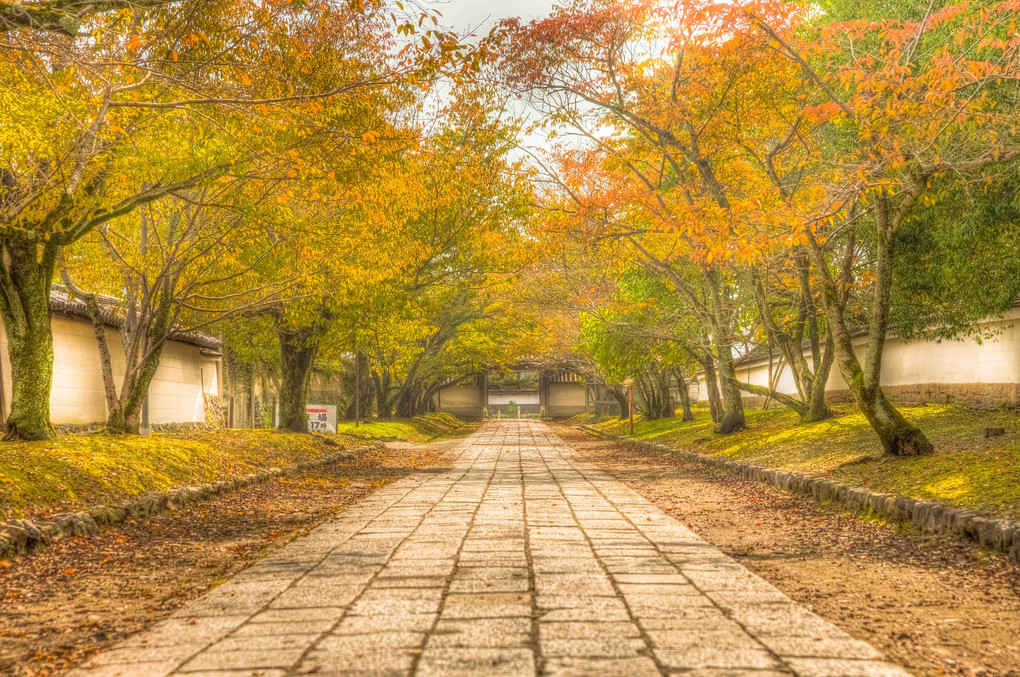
(298, 348)
(367, 390)
(25, 279)
(384, 405)
(731, 419)
(712, 386)
(898, 436)
(621, 399)
(139, 389)
(143, 346)
(685, 398)
(819, 409)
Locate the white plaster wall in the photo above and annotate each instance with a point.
(566, 395)
(458, 397)
(966, 361)
(77, 396)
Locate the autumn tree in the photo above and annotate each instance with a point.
(154, 100)
(918, 110)
(678, 99)
(181, 263)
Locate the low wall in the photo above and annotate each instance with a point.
(982, 373)
(78, 398)
(984, 395)
(460, 400)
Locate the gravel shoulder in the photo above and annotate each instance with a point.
(932, 604)
(79, 596)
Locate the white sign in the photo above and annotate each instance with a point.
(321, 418)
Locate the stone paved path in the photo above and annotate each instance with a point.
(520, 560)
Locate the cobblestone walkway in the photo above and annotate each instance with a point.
(518, 560)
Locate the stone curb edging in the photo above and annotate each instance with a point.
(20, 536)
(930, 517)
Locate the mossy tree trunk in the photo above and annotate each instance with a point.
(731, 419)
(897, 435)
(620, 396)
(26, 272)
(384, 405)
(144, 331)
(298, 348)
(685, 397)
(712, 386)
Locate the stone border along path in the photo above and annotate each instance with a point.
(520, 560)
(928, 516)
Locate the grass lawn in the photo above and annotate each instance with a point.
(77, 471)
(966, 469)
(420, 429)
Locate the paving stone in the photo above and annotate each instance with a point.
(593, 630)
(367, 660)
(477, 662)
(604, 667)
(486, 605)
(314, 628)
(242, 660)
(518, 556)
(260, 642)
(376, 640)
(601, 647)
(691, 658)
(481, 632)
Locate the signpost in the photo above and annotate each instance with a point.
(321, 418)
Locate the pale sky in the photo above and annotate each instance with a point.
(466, 15)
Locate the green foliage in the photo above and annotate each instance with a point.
(956, 263)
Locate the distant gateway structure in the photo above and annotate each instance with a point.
(532, 390)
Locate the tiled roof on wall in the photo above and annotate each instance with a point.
(61, 301)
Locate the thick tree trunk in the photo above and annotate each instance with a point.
(712, 386)
(621, 399)
(897, 435)
(732, 418)
(384, 405)
(298, 348)
(685, 398)
(407, 399)
(139, 390)
(818, 408)
(25, 307)
(31, 353)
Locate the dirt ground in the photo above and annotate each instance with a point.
(61, 605)
(935, 605)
